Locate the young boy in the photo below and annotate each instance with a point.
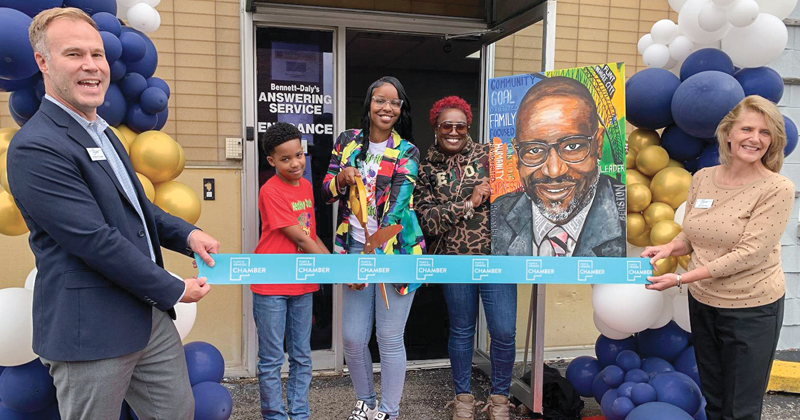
(286, 203)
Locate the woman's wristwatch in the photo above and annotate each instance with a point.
(678, 282)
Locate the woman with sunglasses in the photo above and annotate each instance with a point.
(451, 203)
(382, 155)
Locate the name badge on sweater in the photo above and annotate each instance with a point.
(703, 203)
(96, 153)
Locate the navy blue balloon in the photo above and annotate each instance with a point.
(39, 89)
(622, 406)
(762, 81)
(138, 120)
(8, 414)
(607, 402)
(204, 362)
(655, 365)
(211, 401)
(701, 413)
(687, 364)
(637, 376)
(16, 53)
(614, 376)
(24, 102)
(133, 46)
(146, 66)
(657, 411)
(599, 386)
(107, 22)
(679, 145)
(667, 342)
(705, 60)
(159, 83)
(93, 6)
(118, 70)
(701, 101)
(791, 135)
(31, 7)
(607, 349)
(679, 390)
(17, 118)
(132, 85)
(628, 359)
(162, 119)
(27, 388)
(643, 393)
(708, 157)
(48, 413)
(12, 85)
(153, 100)
(649, 95)
(580, 374)
(112, 45)
(625, 389)
(114, 107)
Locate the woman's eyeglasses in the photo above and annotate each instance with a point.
(447, 127)
(571, 149)
(381, 102)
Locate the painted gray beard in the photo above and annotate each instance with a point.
(555, 214)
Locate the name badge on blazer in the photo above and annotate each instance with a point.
(96, 153)
(703, 203)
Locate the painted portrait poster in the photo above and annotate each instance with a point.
(558, 162)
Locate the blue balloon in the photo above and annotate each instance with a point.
(159, 83)
(687, 364)
(705, 60)
(709, 157)
(657, 411)
(204, 362)
(636, 376)
(39, 88)
(606, 404)
(614, 376)
(132, 86)
(701, 413)
(655, 365)
(31, 7)
(625, 389)
(12, 85)
(701, 101)
(607, 349)
(138, 120)
(16, 53)
(8, 414)
(93, 6)
(112, 45)
(211, 401)
(118, 70)
(580, 374)
(599, 386)
(791, 135)
(643, 393)
(622, 406)
(107, 22)
(17, 118)
(146, 66)
(667, 342)
(133, 46)
(114, 107)
(649, 95)
(762, 81)
(679, 145)
(24, 102)
(162, 119)
(48, 413)
(679, 390)
(27, 388)
(628, 359)
(153, 100)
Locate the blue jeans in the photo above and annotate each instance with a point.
(500, 305)
(362, 308)
(276, 316)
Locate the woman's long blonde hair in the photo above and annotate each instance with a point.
(773, 158)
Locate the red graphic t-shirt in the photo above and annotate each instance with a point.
(283, 205)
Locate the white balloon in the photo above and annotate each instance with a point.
(742, 13)
(143, 17)
(680, 48)
(127, 3)
(778, 8)
(679, 214)
(185, 314)
(688, 22)
(30, 281)
(666, 313)
(680, 311)
(671, 64)
(757, 44)
(628, 308)
(656, 56)
(676, 5)
(697, 46)
(608, 331)
(723, 3)
(151, 3)
(712, 17)
(16, 326)
(645, 41)
(664, 31)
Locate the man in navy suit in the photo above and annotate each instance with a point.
(102, 301)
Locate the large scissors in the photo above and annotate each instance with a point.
(358, 206)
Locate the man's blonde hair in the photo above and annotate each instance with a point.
(37, 33)
(773, 158)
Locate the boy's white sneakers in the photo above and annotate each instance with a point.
(381, 416)
(362, 412)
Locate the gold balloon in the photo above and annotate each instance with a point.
(122, 139)
(652, 159)
(181, 163)
(633, 176)
(641, 240)
(641, 138)
(11, 221)
(147, 186)
(683, 260)
(657, 212)
(129, 134)
(4, 173)
(178, 200)
(630, 159)
(635, 225)
(639, 197)
(674, 164)
(664, 232)
(155, 155)
(671, 186)
(665, 265)
(5, 137)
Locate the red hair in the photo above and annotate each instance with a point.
(450, 102)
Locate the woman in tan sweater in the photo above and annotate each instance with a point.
(735, 215)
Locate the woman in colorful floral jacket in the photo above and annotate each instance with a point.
(382, 155)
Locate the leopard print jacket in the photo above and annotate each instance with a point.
(441, 213)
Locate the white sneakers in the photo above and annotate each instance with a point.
(362, 412)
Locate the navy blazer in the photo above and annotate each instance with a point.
(96, 285)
